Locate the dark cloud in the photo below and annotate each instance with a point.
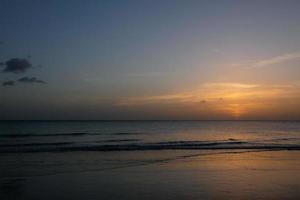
(8, 83)
(17, 65)
(26, 79)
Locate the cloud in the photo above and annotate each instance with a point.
(8, 83)
(214, 93)
(26, 79)
(231, 85)
(276, 60)
(227, 99)
(17, 65)
(23, 80)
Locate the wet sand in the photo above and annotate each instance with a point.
(172, 174)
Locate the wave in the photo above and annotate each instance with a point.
(118, 140)
(170, 145)
(62, 134)
(41, 135)
(41, 144)
(126, 133)
(36, 144)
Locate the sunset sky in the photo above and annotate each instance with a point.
(167, 59)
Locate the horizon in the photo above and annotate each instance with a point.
(132, 120)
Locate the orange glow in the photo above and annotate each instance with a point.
(236, 110)
(232, 99)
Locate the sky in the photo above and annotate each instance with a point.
(150, 59)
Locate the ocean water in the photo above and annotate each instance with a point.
(149, 160)
(49, 136)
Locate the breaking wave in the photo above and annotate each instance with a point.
(134, 145)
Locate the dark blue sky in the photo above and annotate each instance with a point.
(151, 59)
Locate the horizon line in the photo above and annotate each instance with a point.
(111, 120)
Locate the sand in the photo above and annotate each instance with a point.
(151, 175)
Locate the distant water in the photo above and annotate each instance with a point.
(59, 136)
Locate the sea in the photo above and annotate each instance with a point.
(51, 136)
(149, 160)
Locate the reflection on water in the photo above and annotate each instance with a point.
(257, 175)
(155, 175)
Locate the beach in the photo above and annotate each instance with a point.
(152, 175)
